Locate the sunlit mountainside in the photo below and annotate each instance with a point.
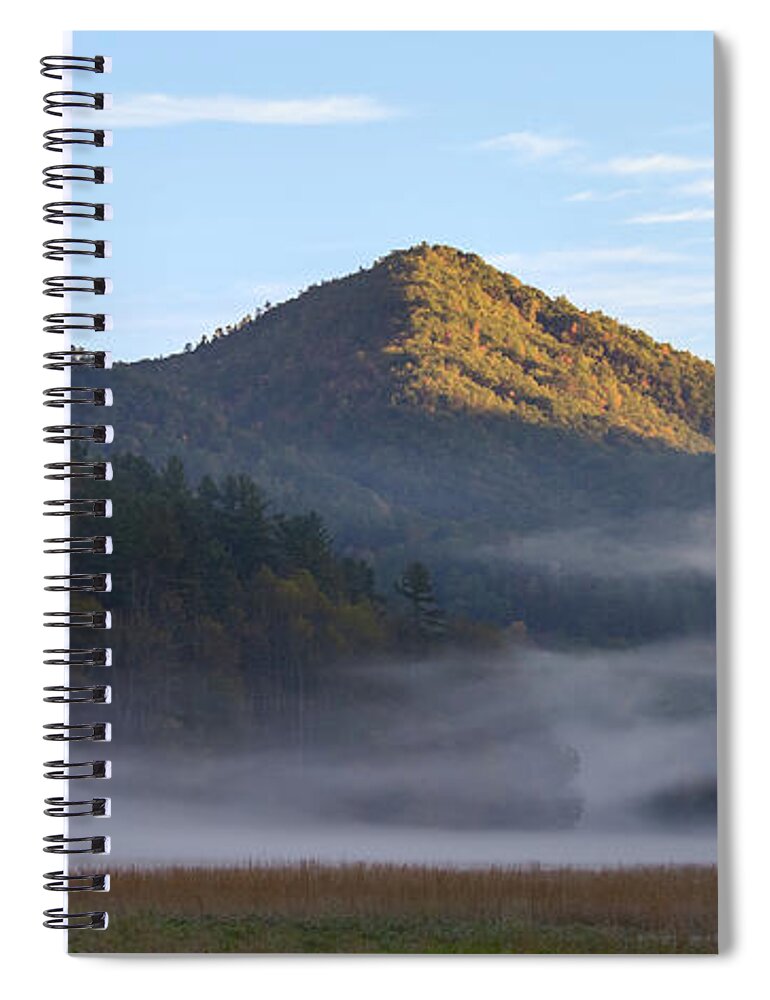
(431, 386)
(434, 408)
(439, 331)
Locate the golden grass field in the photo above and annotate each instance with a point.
(312, 907)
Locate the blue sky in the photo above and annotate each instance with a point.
(250, 165)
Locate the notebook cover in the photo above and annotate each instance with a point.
(413, 605)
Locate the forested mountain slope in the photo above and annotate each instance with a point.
(431, 385)
(434, 408)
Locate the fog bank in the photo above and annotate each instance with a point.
(518, 756)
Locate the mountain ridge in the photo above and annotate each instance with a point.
(439, 330)
(424, 410)
(427, 397)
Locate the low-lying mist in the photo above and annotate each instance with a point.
(657, 543)
(524, 754)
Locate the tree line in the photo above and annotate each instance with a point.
(226, 610)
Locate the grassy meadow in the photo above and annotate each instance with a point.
(398, 909)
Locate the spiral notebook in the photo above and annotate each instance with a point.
(384, 480)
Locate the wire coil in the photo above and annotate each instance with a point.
(90, 694)
(60, 173)
(80, 657)
(54, 66)
(77, 619)
(71, 469)
(83, 395)
(58, 211)
(56, 101)
(93, 433)
(61, 882)
(59, 322)
(57, 919)
(58, 249)
(59, 361)
(57, 843)
(88, 545)
(65, 808)
(57, 138)
(82, 583)
(62, 732)
(78, 507)
(79, 470)
(64, 770)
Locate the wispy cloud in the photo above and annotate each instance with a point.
(692, 129)
(155, 110)
(553, 261)
(656, 163)
(700, 188)
(582, 196)
(657, 294)
(530, 145)
(689, 215)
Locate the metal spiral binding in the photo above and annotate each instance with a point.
(58, 211)
(57, 138)
(94, 433)
(85, 395)
(81, 657)
(55, 101)
(91, 694)
(73, 656)
(77, 619)
(54, 65)
(60, 173)
(61, 248)
(81, 506)
(88, 545)
(64, 284)
(59, 361)
(57, 322)
(83, 583)
(79, 470)
(81, 771)
(75, 883)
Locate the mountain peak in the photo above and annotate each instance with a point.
(476, 339)
(438, 333)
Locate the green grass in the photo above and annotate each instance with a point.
(382, 935)
(407, 909)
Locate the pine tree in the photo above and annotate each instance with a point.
(426, 620)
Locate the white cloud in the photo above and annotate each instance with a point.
(702, 187)
(656, 163)
(689, 215)
(554, 261)
(692, 129)
(531, 145)
(155, 110)
(653, 293)
(600, 195)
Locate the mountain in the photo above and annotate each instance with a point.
(437, 330)
(433, 404)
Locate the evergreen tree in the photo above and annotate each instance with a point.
(426, 619)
